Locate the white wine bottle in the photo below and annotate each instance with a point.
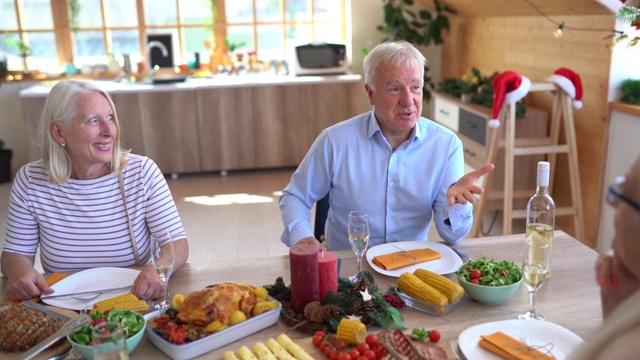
(541, 212)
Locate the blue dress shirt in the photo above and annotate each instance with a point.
(400, 190)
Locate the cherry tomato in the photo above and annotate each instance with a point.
(336, 355)
(316, 340)
(372, 340)
(97, 322)
(475, 281)
(341, 345)
(475, 274)
(434, 335)
(370, 355)
(354, 354)
(505, 272)
(319, 333)
(361, 358)
(344, 356)
(363, 347)
(323, 344)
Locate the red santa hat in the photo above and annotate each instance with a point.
(570, 82)
(508, 88)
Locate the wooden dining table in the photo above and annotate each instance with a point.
(570, 298)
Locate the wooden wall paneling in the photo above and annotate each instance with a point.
(303, 105)
(525, 44)
(225, 128)
(130, 118)
(170, 130)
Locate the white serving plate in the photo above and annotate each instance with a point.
(448, 263)
(87, 280)
(213, 341)
(532, 332)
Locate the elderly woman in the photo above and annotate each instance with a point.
(87, 202)
(618, 273)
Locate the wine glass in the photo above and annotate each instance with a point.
(358, 236)
(535, 267)
(109, 341)
(163, 258)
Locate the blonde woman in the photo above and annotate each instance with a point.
(87, 202)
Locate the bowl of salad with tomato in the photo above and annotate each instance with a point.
(133, 324)
(488, 281)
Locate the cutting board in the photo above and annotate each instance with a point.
(59, 348)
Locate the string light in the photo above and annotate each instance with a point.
(558, 32)
(561, 26)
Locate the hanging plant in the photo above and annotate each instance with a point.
(418, 28)
(73, 11)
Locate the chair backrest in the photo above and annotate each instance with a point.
(322, 209)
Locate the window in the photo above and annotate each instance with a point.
(100, 29)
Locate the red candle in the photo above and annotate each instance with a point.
(303, 260)
(328, 265)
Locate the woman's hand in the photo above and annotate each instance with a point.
(465, 188)
(23, 281)
(148, 284)
(616, 282)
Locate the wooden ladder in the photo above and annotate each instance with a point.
(550, 147)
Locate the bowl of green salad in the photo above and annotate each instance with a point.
(488, 281)
(133, 324)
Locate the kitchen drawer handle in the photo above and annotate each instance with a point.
(444, 112)
(472, 125)
(469, 152)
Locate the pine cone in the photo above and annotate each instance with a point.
(364, 307)
(318, 313)
(360, 285)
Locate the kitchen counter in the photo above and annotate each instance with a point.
(221, 123)
(217, 81)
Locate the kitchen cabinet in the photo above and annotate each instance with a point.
(470, 122)
(232, 123)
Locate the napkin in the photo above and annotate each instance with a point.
(50, 280)
(404, 258)
(509, 348)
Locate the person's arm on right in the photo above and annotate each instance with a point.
(23, 281)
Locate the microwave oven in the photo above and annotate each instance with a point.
(320, 58)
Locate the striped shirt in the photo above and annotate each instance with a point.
(83, 224)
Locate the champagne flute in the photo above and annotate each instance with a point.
(358, 236)
(163, 258)
(535, 268)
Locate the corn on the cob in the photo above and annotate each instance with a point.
(293, 348)
(351, 331)
(417, 289)
(114, 300)
(263, 352)
(448, 288)
(229, 355)
(278, 350)
(245, 354)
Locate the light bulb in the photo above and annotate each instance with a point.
(558, 32)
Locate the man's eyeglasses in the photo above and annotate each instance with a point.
(615, 195)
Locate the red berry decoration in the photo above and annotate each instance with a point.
(393, 300)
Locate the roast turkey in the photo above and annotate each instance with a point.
(216, 302)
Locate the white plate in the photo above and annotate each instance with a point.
(213, 341)
(87, 280)
(532, 332)
(448, 263)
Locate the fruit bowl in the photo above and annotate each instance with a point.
(132, 340)
(487, 294)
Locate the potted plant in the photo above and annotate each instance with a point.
(5, 163)
(630, 91)
(421, 28)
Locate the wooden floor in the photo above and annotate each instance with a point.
(229, 217)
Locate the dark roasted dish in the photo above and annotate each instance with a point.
(21, 328)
